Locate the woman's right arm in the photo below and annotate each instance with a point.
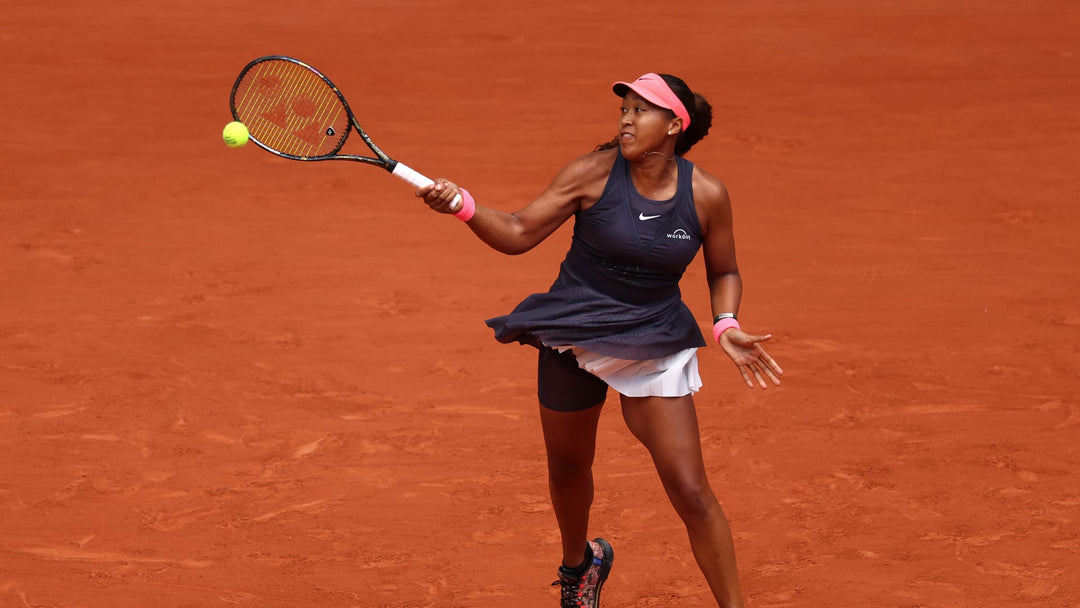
(580, 182)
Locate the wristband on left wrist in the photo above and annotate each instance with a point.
(723, 325)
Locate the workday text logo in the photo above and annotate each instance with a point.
(679, 234)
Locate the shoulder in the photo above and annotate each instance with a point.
(591, 166)
(708, 189)
(711, 199)
(583, 179)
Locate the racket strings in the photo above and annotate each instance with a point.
(291, 109)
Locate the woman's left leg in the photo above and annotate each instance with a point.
(668, 428)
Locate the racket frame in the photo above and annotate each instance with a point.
(381, 159)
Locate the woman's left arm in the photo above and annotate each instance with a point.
(725, 284)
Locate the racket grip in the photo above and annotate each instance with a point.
(419, 180)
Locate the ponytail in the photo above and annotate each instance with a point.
(700, 111)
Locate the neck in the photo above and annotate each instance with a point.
(655, 163)
(655, 175)
(660, 154)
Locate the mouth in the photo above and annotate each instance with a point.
(626, 136)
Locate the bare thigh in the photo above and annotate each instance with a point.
(668, 428)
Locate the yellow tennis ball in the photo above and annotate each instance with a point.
(235, 134)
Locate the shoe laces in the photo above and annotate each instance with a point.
(575, 593)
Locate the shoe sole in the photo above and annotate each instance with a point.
(605, 565)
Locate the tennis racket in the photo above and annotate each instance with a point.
(294, 111)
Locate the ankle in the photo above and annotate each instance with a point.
(581, 568)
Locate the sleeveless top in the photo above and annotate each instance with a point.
(617, 293)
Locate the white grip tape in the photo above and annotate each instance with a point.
(419, 180)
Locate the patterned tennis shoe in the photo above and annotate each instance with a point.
(584, 591)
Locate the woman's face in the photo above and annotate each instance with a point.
(644, 127)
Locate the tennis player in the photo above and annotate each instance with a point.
(614, 318)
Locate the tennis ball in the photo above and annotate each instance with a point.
(235, 134)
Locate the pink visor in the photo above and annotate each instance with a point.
(657, 92)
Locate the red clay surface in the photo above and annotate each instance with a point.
(228, 379)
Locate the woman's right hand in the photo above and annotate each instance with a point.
(440, 195)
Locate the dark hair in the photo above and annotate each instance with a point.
(698, 107)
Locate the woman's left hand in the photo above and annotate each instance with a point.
(753, 362)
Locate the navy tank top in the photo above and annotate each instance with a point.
(617, 293)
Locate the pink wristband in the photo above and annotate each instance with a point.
(723, 325)
(468, 206)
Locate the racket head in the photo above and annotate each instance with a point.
(291, 109)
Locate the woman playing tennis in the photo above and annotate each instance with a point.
(615, 318)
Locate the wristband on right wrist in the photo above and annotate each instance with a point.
(468, 206)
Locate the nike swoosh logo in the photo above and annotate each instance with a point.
(643, 217)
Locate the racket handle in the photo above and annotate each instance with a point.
(419, 180)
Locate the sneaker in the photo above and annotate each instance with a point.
(584, 591)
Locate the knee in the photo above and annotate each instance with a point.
(568, 467)
(694, 501)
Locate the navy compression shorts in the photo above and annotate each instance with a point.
(563, 386)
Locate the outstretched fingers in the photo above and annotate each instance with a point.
(754, 364)
(761, 367)
(756, 371)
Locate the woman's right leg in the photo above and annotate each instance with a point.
(570, 440)
(570, 403)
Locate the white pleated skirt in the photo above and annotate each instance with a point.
(672, 376)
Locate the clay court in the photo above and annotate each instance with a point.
(229, 379)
